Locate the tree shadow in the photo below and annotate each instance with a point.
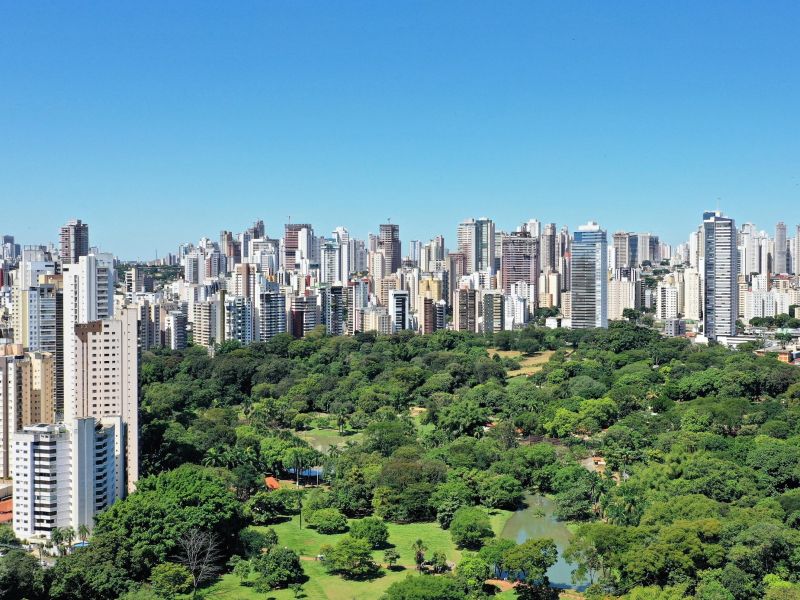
(377, 573)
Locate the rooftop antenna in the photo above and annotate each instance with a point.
(290, 219)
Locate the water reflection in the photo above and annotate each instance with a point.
(536, 520)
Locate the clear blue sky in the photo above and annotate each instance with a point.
(162, 122)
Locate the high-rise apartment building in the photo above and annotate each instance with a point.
(27, 395)
(88, 296)
(377, 319)
(175, 332)
(476, 241)
(270, 312)
(625, 250)
(493, 311)
(291, 243)
(357, 298)
(389, 245)
(305, 315)
(74, 241)
(549, 249)
(589, 277)
(520, 260)
(239, 319)
(208, 323)
(333, 309)
(666, 301)
(106, 382)
(64, 475)
(465, 310)
(399, 310)
(720, 269)
(780, 263)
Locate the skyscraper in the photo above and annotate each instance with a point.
(389, 245)
(548, 249)
(623, 255)
(721, 298)
(589, 277)
(780, 264)
(476, 240)
(399, 310)
(291, 243)
(74, 241)
(520, 260)
(106, 383)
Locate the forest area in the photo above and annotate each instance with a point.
(398, 457)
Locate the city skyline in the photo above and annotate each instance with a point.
(154, 129)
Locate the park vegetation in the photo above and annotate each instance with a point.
(699, 498)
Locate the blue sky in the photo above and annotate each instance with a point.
(162, 122)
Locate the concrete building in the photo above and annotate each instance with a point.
(376, 318)
(270, 312)
(781, 264)
(106, 382)
(74, 241)
(357, 298)
(589, 279)
(238, 317)
(492, 311)
(666, 302)
(476, 241)
(389, 246)
(333, 309)
(176, 338)
(692, 295)
(64, 475)
(622, 293)
(520, 260)
(27, 395)
(465, 309)
(88, 295)
(399, 310)
(208, 323)
(720, 269)
(305, 315)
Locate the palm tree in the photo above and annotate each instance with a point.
(57, 537)
(213, 458)
(83, 532)
(419, 549)
(69, 536)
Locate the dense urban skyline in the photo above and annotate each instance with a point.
(156, 129)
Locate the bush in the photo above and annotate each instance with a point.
(329, 520)
(277, 569)
(470, 527)
(371, 529)
(253, 541)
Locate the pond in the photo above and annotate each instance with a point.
(536, 520)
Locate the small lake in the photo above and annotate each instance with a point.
(536, 520)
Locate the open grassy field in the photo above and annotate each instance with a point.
(322, 586)
(322, 439)
(528, 364)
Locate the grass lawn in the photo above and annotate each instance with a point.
(322, 439)
(528, 364)
(322, 586)
(307, 541)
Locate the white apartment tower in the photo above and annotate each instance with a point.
(721, 304)
(63, 475)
